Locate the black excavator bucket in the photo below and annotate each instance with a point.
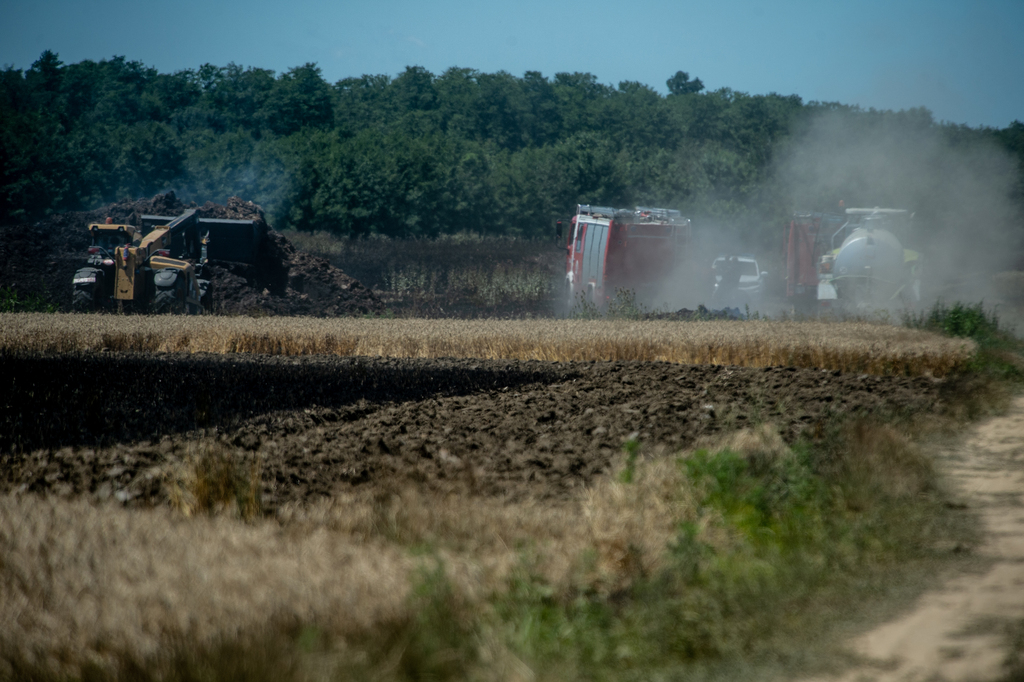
(233, 240)
(184, 229)
(226, 240)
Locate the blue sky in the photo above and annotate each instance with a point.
(962, 60)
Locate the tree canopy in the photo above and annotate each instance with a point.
(420, 154)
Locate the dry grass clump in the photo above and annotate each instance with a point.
(212, 479)
(847, 346)
(81, 582)
(884, 462)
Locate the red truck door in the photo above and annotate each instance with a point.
(577, 256)
(594, 248)
(802, 256)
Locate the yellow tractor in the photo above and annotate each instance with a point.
(125, 267)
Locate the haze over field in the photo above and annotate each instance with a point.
(967, 219)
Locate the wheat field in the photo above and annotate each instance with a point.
(89, 585)
(845, 346)
(88, 582)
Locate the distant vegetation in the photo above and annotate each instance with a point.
(460, 275)
(418, 154)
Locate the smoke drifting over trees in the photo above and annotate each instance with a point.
(421, 154)
(963, 185)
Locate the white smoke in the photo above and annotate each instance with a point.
(957, 181)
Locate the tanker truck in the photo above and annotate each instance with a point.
(866, 266)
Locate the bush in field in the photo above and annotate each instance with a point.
(998, 349)
(460, 275)
(625, 306)
(959, 319)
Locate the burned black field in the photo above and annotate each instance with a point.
(72, 423)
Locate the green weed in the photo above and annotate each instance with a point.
(779, 535)
(11, 302)
(971, 321)
(624, 306)
(999, 350)
(632, 449)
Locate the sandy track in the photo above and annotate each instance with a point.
(958, 631)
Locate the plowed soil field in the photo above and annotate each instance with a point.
(110, 424)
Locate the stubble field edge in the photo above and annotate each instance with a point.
(845, 346)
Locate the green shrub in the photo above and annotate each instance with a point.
(999, 351)
(11, 302)
(778, 537)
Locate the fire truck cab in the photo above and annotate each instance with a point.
(609, 249)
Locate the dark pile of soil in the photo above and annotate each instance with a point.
(321, 424)
(41, 259)
(287, 282)
(701, 313)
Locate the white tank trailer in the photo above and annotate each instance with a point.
(867, 266)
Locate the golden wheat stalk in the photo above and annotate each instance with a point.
(846, 346)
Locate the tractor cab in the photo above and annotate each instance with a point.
(105, 237)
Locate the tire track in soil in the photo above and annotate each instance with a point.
(958, 630)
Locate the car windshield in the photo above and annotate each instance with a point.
(747, 268)
(111, 241)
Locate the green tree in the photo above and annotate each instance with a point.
(680, 84)
(418, 154)
(299, 99)
(362, 103)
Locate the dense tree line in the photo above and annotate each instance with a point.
(419, 154)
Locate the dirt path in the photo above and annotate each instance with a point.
(958, 631)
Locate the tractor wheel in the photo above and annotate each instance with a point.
(167, 301)
(88, 295)
(84, 300)
(207, 299)
(163, 302)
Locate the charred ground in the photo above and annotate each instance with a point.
(321, 424)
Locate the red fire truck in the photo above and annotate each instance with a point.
(609, 249)
(807, 240)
